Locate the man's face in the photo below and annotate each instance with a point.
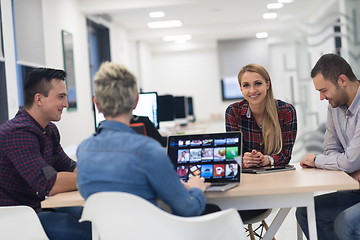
(53, 105)
(333, 92)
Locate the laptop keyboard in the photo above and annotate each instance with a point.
(218, 184)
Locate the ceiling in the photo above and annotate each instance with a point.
(207, 20)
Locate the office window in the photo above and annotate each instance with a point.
(29, 39)
(4, 112)
(3, 95)
(99, 51)
(99, 46)
(1, 38)
(29, 32)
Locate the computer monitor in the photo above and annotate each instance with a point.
(181, 110)
(191, 114)
(230, 88)
(99, 117)
(148, 106)
(166, 108)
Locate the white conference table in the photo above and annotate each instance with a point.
(282, 190)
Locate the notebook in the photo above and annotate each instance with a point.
(268, 169)
(212, 156)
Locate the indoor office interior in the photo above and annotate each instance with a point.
(196, 73)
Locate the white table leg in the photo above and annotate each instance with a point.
(311, 222)
(299, 232)
(276, 223)
(95, 233)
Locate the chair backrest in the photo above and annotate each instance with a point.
(117, 215)
(20, 222)
(139, 128)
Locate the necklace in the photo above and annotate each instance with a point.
(259, 125)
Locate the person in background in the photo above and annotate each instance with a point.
(337, 214)
(33, 164)
(116, 158)
(269, 126)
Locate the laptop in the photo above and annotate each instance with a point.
(212, 156)
(268, 169)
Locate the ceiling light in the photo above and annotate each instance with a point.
(285, 1)
(180, 41)
(274, 5)
(156, 14)
(165, 24)
(271, 15)
(262, 35)
(177, 38)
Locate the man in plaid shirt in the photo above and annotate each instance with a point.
(33, 164)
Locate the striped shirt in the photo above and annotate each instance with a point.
(30, 157)
(238, 118)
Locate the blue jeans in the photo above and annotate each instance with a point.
(63, 224)
(347, 223)
(327, 208)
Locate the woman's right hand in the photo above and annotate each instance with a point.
(253, 159)
(196, 182)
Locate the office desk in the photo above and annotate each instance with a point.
(67, 199)
(282, 190)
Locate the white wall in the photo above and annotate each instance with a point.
(236, 53)
(122, 48)
(78, 124)
(190, 73)
(75, 125)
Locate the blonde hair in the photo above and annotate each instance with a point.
(271, 129)
(115, 89)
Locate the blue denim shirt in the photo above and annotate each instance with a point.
(119, 159)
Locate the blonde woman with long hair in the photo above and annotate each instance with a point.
(269, 126)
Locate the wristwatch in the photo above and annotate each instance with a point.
(271, 159)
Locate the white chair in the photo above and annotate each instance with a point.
(118, 215)
(19, 223)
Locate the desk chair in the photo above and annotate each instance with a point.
(20, 222)
(118, 215)
(139, 128)
(259, 231)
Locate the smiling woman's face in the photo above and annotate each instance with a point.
(253, 87)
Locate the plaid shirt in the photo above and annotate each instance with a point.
(238, 118)
(30, 157)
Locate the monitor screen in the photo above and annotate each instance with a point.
(99, 117)
(181, 110)
(180, 107)
(230, 88)
(191, 113)
(210, 155)
(148, 106)
(166, 108)
(190, 106)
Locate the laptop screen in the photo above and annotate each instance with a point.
(211, 156)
